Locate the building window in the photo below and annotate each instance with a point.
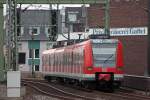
(20, 31)
(47, 31)
(22, 58)
(72, 16)
(36, 67)
(34, 30)
(34, 53)
(31, 53)
(20, 46)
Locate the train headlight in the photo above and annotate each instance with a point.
(120, 68)
(89, 68)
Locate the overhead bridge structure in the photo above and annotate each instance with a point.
(12, 5)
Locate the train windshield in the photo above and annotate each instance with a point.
(104, 54)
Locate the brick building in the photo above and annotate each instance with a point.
(127, 14)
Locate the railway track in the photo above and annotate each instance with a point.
(47, 89)
(50, 89)
(133, 93)
(122, 95)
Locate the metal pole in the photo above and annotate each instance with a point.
(50, 22)
(1, 44)
(57, 22)
(107, 18)
(69, 25)
(8, 31)
(148, 65)
(33, 73)
(15, 37)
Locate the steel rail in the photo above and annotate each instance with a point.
(49, 94)
(122, 96)
(62, 91)
(134, 95)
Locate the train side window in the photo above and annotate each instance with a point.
(59, 60)
(49, 60)
(59, 57)
(54, 60)
(79, 59)
(69, 59)
(46, 60)
(75, 59)
(66, 59)
(72, 58)
(62, 59)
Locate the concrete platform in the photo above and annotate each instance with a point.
(3, 93)
(26, 74)
(137, 82)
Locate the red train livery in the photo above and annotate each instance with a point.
(94, 61)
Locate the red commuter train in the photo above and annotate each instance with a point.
(94, 62)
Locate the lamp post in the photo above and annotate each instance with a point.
(79, 36)
(107, 19)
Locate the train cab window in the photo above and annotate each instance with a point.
(104, 54)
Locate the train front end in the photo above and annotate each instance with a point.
(106, 61)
